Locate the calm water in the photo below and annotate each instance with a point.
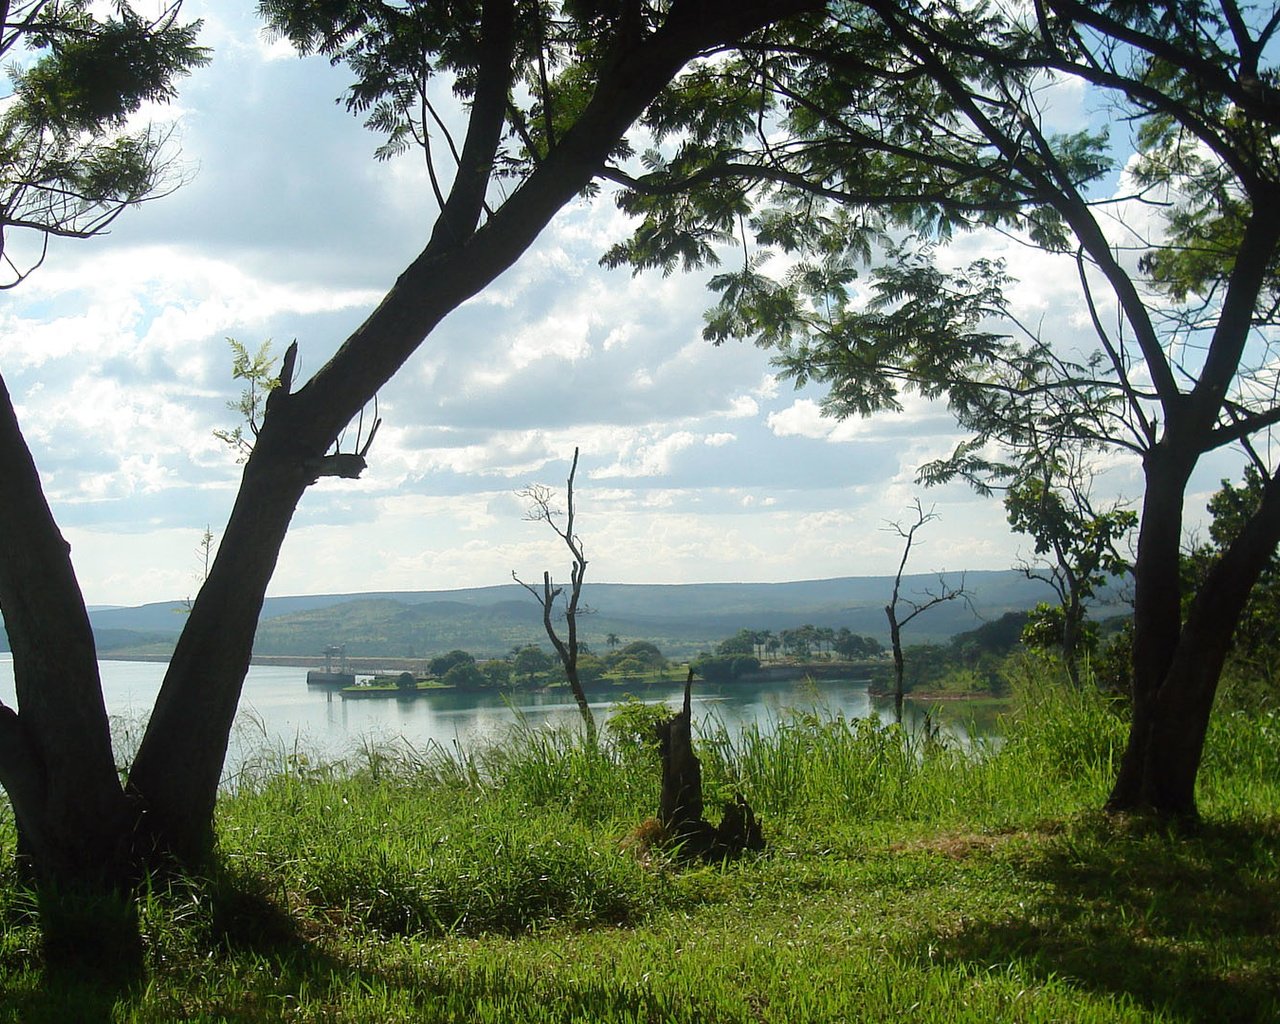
(278, 711)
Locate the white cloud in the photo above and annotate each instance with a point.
(650, 458)
(803, 418)
(695, 465)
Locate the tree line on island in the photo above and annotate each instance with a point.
(528, 666)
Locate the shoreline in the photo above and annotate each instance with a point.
(365, 665)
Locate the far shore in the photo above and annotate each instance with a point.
(367, 666)
(358, 666)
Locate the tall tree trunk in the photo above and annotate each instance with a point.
(56, 764)
(179, 761)
(895, 641)
(1072, 623)
(1176, 680)
(1157, 612)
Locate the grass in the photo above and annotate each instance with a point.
(906, 880)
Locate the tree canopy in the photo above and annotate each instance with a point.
(890, 127)
(71, 161)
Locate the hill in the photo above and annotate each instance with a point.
(680, 618)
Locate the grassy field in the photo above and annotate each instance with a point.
(906, 880)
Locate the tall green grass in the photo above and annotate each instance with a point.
(909, 877)
(528, 833)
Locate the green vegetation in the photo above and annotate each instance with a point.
(975, 663)
(906, 880)
(724, 668)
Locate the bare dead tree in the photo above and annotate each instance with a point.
(945, 592)
(542, 510)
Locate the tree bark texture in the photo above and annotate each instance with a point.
(680, 806)
(75, 825)
(899, 667)
(1172, 706)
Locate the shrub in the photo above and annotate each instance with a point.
(724, 668)
(441, 665)
(466, 676)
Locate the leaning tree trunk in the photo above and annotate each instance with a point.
(56, 763)
(179, 762)
(176, 772)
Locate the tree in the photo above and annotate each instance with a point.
(742, 642)
(497, 672)
(1077, 543)
(850, 645)
(930, 599)
(541, 511)
(643, 652)
(795, 642)
(763, 638)
(613, 640)
(893, 125)
(441, 664)
(531, 661)
(551, 91)
(70, 164)
(465, 675)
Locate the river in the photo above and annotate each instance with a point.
(279, 713)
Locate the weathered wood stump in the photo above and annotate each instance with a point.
(680, 803)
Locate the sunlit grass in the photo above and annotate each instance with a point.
(908, 878)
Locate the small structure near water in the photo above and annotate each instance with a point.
(328, 677)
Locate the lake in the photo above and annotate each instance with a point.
(279, 712)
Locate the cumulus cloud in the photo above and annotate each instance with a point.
(696, 463)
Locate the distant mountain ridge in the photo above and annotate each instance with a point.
(681, 618)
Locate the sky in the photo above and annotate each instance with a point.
(697, 464)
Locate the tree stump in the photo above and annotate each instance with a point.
(680, 803)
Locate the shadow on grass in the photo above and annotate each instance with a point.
(229, 952)
(1185, 924)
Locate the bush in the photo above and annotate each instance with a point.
(466, 676)
(498, 672)
(640, 651)
(440, 666)
(531, 661)
(724, 668)
(633, 728)
(630, 667)
(590, 668)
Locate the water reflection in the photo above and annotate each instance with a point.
(280, 713)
